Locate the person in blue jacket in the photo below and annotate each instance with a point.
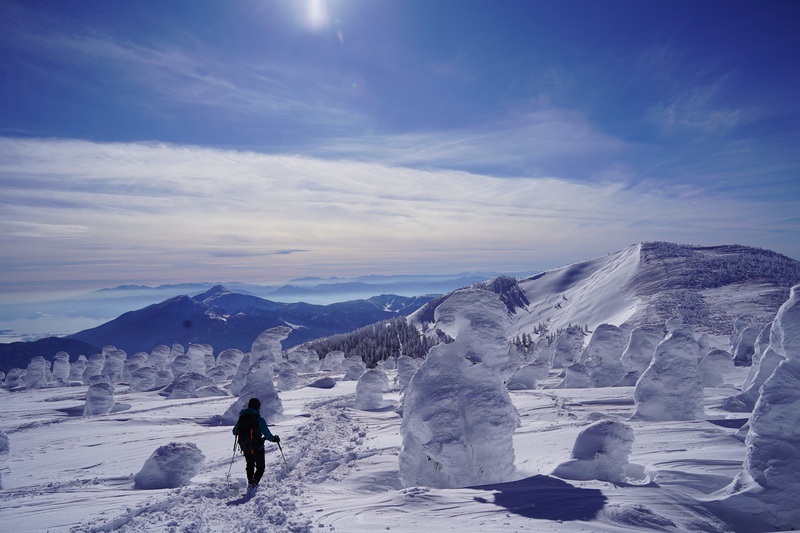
(251, 431)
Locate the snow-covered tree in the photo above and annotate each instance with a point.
(458, 419)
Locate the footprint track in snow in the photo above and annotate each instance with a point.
(321, 449)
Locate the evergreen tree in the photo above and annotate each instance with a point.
(377, 342)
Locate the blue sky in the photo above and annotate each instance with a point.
(257, 140)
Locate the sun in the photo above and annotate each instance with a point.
(317, 14)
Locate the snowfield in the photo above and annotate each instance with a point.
(64, 472)
(590, 292)
(573, 447)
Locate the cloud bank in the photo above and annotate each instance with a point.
(104, 213)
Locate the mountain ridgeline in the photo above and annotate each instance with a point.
(225, 319)
(643, 284)
(218, 317)
(646, 284)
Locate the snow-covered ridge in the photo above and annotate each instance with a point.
(588, 293)
(646, 284)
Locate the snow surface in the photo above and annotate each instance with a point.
(574, 459)
(64, 472)
(769, 482)
(644, 284)
(588, 293)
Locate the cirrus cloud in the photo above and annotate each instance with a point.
(160, 212)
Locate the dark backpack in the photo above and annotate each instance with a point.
(249, 434)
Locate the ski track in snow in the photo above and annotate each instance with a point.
(320, 449)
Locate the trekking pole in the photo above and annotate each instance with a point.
(284, 457)
(235, 438)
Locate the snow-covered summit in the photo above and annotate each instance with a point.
(646, 284)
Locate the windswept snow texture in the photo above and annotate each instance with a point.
(355, 367)
(61, 368)
(603, 355)
(15, 378)
(4, 443)
(37, 373)
(259, 384)
(568, 347)
(647, 283)
(267, 347)
(333, 361)
(288, 378)
(77, 368)
(576, 376)
(479, 320)
(584, 294)
(145, 378)
(714, 367)
(406, 368)
(529, 376)
(457, 424)
(392, 469)
(640, 349)
(186, 386)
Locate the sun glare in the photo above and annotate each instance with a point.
(316, 14)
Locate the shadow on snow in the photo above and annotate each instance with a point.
(546, 498)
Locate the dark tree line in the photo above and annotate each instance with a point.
(377, 342)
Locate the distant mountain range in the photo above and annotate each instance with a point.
(219, 317)
(645, 283)
(109, 303)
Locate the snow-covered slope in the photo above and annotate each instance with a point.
(588, 293)
(648, 283)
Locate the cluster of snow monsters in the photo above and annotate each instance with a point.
(458, 421)
(671, 368)
(458, 418)
(177, 373)
(197, 373)
(669, 365)
(769, 484)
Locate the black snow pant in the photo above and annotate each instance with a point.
(255, 466)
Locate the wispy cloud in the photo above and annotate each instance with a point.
(39, 230)
(184, 74)
(536, 141)
(696, 110)
(691, 96)
(165, 213)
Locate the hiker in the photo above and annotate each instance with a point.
(252, 431)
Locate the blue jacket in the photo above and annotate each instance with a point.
(262, 424)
